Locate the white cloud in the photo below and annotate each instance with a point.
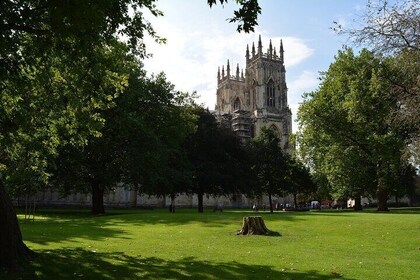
(306, 81)
(294, 108)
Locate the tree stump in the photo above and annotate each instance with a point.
(253, 225)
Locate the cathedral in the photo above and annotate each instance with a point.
(257, 98)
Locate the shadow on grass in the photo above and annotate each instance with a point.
(83, 264)
(274, 234)
(56, 228)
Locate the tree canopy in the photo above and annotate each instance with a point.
(217, 158)
(391, 29)
(351, 113)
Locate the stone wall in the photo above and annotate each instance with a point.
(125, 198)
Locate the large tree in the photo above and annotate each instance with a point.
(154, 126)
(216, 158)
(55, 80)
(270, 165)
(140, 143)
(391, 28)
(351, 112)
(299, 180)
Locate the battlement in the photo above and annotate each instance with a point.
(251, 57)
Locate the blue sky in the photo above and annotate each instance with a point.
(200, 39)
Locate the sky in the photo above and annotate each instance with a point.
(199, 39)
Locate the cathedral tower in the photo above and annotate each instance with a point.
(258, 98)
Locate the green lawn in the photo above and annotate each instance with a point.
(154, 244)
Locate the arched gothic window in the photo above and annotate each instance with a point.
(271, 94)
(275, 129)
(237, 104)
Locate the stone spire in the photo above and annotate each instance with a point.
(281, 52)
(218, 73)
(242, 74)
(247, 53)
(237, 71)
(253, 49)
(223, 71)
(270, 50)
(228, 69)
(275, 54)
(259, 45)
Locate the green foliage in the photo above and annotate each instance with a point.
(216, 155)
(390, 29)
(58, 73)
(154, 122)
(50, 101)
(246, 15)
(346, 128)
(270, 164)
(299, 180)
(140, 143)
(85, 23)
(275, 172)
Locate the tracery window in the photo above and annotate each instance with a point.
(271, 94)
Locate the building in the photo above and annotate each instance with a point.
(258, 97)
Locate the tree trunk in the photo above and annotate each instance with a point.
(381, 198)
(97, 199)
(295, 199)
(381, 193)
(357, 203)
(13, 252)
(271, 202)
(172, 203)
(200, 202)
(253, 225)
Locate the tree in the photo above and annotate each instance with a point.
(387, 28)
(215, 154)
(48, 99)
(351, 110)
(133, 148)
(154, 122)
(393, 30)
(340, 171)
(270, 165)
(299, 180)
(55, 81)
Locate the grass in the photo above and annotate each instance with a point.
(154, 244)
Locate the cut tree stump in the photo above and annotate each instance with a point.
(253, 225)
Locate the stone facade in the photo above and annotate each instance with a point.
(123, 197)
(257, 98)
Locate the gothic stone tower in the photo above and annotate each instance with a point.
(257, 99)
